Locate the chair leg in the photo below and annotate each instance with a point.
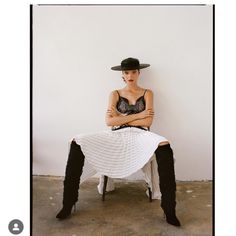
(150, 194)
(104, 187)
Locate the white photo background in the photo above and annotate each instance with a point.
(73, 50)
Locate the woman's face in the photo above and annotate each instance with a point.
(130, 76)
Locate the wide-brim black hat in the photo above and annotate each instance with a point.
(130, 64)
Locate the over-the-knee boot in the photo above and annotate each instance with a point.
(165, 161)
(73, 172)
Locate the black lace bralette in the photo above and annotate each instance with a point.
(124, 107)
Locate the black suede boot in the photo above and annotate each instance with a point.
(165, 161)
(74, 169)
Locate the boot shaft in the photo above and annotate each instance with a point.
(165, 162)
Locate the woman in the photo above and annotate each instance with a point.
(127, 147)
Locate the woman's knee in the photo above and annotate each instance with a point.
(163, 143)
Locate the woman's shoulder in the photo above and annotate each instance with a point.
(148, 91)
(114, 94)
(117, 92)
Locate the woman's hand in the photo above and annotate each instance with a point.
(112, 112)
(146, 113)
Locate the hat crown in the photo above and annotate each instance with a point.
(130, 63)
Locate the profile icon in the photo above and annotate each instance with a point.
(15, 226)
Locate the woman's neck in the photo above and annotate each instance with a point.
(132, 88)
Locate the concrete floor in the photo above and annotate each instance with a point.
(126, 211)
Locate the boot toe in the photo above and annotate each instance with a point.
(64, 213)
(173, 220)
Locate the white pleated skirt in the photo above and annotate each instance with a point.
(119, 154)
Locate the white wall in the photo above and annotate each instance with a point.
(73, 50)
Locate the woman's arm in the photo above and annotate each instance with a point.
(115, 119)
(147, 121)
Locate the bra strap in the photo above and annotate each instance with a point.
(118, 93)
(145, 92)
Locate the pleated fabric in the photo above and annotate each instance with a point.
(119, 153)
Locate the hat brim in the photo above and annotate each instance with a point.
(141, 66)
